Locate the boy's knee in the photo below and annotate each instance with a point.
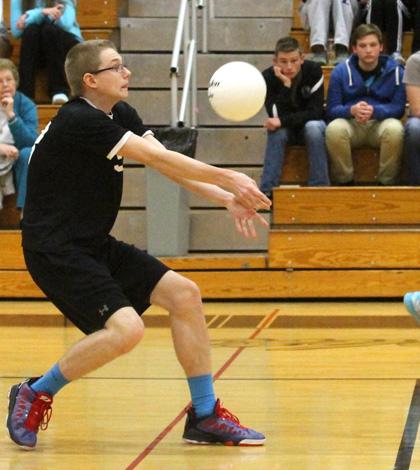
(125, 335)
(394, 129)
(186, 296)
(31, 31)
(412, 128)
(336, 129)
(315, 128)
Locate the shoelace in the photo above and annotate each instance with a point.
(226, 414)
(39, 415)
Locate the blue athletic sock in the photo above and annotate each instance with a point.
(51, 382)
(202, 394)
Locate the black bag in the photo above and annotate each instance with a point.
(178, 139)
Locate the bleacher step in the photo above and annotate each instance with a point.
(350, 205)
(236, 34)
(266, 284)
(344, 247)
(90, 13)
(154, 107)
(157, 66)
(251, 8)
(219, 8)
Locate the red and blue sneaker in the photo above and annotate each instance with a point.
(28, 411)
(221, 427)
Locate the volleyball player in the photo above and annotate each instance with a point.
(103, 285)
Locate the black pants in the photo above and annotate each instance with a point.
(46, 44)
(416, 27)
(389, 16)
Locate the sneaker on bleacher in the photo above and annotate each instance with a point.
(60, 98)
(398, 58)
(412, 303)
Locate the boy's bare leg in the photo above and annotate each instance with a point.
(181, 297)
(123, 330)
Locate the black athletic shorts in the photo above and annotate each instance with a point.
(88, 286)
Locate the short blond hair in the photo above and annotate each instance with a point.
(7, 64)
(84, 58)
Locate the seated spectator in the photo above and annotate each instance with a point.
(391, 17)
(294, 103)
(18, 132)
(48, 31)
(365, 102)
(315, 15)
(412, 127)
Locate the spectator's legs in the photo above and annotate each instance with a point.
(20, 169)
(376, 13)
(319, 20)
(416, 29)
(56, 44)
(393, 25)
(341, 136)
(5, 47)
(390, 16)
(29, 58)
(274, 159)
(388, 135)
(412, 150)
(314, 135)
(343, 14)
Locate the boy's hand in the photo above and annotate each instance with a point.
(6, 102)
(246, 191)
(244, 218)
(278, 73)
(272, 124)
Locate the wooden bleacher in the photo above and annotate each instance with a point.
(98, 19)
(324, 242)
(302, 37)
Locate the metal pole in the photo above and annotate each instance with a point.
(175, 60)
(187, 82)
(174, 100)
(187, 41)
(178, 35)
(193, 117)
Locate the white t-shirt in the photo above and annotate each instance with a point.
(412, 70)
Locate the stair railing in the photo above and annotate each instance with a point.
(186, 32)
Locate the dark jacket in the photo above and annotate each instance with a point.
(300, 103)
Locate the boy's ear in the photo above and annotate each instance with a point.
(89, 80)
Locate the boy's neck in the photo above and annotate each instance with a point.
(100, 102)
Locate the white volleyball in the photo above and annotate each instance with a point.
(237, 91)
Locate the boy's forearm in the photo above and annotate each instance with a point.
(174, 164)
(207, 191)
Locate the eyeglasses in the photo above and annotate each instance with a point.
(116, 68)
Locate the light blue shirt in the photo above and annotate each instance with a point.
(67, 22)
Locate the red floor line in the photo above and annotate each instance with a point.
(148, 449)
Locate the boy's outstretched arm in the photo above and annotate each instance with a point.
(178, 166)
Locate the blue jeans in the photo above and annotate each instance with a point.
(313, 137)
(412, 150)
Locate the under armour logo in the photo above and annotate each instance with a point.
(103, 310)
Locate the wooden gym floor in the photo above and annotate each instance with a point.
(332, 384)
